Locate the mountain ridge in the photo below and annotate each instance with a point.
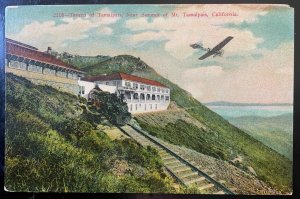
(226, 103)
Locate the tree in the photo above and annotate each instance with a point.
(113, 107)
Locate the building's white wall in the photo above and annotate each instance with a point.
(107, 88)
(87, 87)
(135, 108)
(110, 83)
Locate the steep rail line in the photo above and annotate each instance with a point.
(183, 170)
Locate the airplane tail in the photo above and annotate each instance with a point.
(198, 46)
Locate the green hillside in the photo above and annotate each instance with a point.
(275, 132)
(78, 60)
(120, 63)
(53, 145)
(220, 139)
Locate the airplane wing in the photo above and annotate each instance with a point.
(221, 44)
(209, 53)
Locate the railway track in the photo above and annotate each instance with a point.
(183, 170)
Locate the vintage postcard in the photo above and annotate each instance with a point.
(184, 99)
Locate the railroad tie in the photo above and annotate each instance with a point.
(182, 170)
(206, 187)
(199, 179)
(178, 166)
(219, 193)
(164, 155)
(167, 159)
(172, 162)
(188, 175)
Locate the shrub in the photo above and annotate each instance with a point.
(77, 127)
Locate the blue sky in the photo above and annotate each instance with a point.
(257, 65)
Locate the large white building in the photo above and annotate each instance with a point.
(142, 95)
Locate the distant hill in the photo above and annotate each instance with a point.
(276, 132)
(79, 61)
(223, 103)
(120, 63)
(217, 137)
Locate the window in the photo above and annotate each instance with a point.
(163, 90)
(158, 89)
(130, 107)
(167, 90)
(153, 89)
(142, 96)
(148, 88)
(82, 89)
(142, 87)
(15, 64)
(60, 73)
(107, 83)
(127, 95)
(136, 107)
(167, 98)
(136, 96)
(153, 97)
(70, 75)
(23, 66)
(127, 84)
(50, 71)
(114, 83)
(148, 97)
(32, 68)
(135, 86)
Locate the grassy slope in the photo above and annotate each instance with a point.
(223, 137)
(275, 132)
(41, 158)
(83, 61)
(80, 61)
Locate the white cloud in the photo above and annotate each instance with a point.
(267, 80)
(49, 33)
(105, 30)
(144, 36)
(203, 73)
(182, 31)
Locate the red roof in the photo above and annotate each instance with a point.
(26, 51)
(123, 76)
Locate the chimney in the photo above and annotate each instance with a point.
(49, 50)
